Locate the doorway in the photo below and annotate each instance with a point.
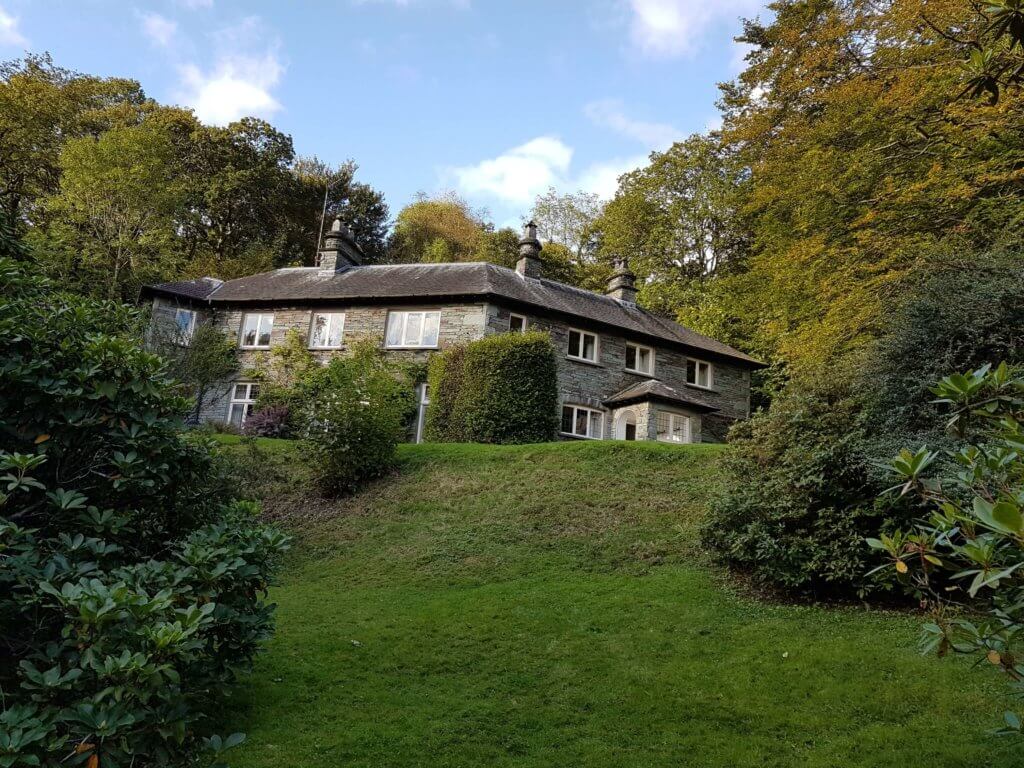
(625, 425)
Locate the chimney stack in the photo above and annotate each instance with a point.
(340, 250)
(529, 253)
(622, 285)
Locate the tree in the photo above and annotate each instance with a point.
(115, 211)
(965, 561)
(359, 205)
(41, 107)
(208, 358)
(432, 228)
(568, 219)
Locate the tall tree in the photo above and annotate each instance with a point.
(41, 107)
(114, 214)
(443, 228)
(568, 219)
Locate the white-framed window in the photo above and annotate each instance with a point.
(582, 422)
(639, 359)
(184, 324)
(243, 400)
(673, 427)
(699, 374)
(326, 330)
(411, 330)
(256, 329)
(423, 393)
(516, 323)
(583, 346)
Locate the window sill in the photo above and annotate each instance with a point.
(256, 349)
(698, 386)
(577, 437)
(435, 347)
(584, 361)
(640, 373)
(326, 349)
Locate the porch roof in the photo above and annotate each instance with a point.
(654, 390)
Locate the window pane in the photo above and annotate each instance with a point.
(240, 390)
(589, 347)
(337, 328)
(516, 324)
(249, 330)
(266, 326)
(318, 336)
(704, 374)
(395, 323)
(254, 391)
(595, 424)
(574, 343)
(235, 416)
(567, 418)
(431, 325)
(413, 329)
(678, 428)
(581, 422)
(643, 360)
(631, 356)
(663, 426)
(691, 371)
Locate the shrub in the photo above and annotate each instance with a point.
(798, 499)
(499, 389)
(965, 561)
(130, 581)
(444, 381)
(271, 421)
(357, 414)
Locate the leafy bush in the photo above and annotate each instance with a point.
(130, 581)
(271, 421)
(499, 389)
(798, 501)
(966, 559)
(358, 409)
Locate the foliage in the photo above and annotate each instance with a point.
(208, 358)
(996, 49)
(129, 581)
(569, 220)
(270, 421)
(968, 554)
(438, 229)
(499, 389)
(356, 413)
(798, 497)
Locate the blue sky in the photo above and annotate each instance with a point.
(495, 100)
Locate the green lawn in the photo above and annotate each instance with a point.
(548, 606)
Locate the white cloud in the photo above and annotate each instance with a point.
(238, 86)
(9, 34)
(609, 113)
(159, 29)
(518, 175)
(668, 28)
(603, 178)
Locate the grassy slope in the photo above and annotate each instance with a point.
(538, 606)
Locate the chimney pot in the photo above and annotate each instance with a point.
(529, 253)
(622, 285)
(340, 250)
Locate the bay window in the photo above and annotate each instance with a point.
(673, 427)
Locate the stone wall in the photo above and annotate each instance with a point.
(580, 383)
(590, 384)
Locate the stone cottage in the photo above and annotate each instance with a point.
(623, 372)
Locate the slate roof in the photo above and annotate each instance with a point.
(652, 389)
(477, 280)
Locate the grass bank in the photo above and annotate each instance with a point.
(548, 605)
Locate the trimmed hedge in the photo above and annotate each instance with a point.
(499, 389)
